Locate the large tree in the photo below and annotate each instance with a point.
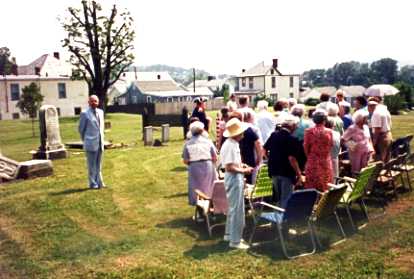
(100, 46)
(30, 102)
(384, 71)
(6, 64)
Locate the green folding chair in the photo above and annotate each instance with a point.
(256, 193)
(326, 208)
(357, 190)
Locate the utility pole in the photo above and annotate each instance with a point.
(194, 80)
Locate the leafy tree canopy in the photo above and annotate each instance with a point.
(100, 46)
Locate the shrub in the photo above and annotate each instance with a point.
(312, 102)
(394, 103)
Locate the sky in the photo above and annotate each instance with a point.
(223, 36)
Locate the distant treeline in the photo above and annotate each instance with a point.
(355, 73)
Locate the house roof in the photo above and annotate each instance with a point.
(178, 93)
(207, 83)
(159, 85)
(331, 90)
(353, 90)
(258, 70)
(30, 69)
(30, 78)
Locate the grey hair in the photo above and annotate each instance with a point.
(333, 110)
(298, 110)
(262, 105)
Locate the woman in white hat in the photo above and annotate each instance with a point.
(233, 181)
(200, 154)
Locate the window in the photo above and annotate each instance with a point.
(243, 82)
(291, 81)
(58, 111)
(250, 82)
(134, 99)
(169, 100)
(78, 111)
(149, 99)
(15, 91)
(274, 97)
(16, 115)
(272, 72)
(273, 82)
(291, 95)
(62, 90)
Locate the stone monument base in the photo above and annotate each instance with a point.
(51, 154)
(35, 168)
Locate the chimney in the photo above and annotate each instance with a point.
(243, 70)
(56, 55)
(274, 64)
(37, 71)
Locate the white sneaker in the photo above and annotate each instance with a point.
(241, 245)
(226, 237)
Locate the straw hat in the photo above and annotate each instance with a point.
(234, 128)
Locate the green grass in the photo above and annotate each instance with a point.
(141, 227)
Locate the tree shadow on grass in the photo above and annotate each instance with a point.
(69, 191)
(179, 168)
(176, 195)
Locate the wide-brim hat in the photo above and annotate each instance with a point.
(234, 128)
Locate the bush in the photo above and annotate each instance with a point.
(312, 102)
(263, 97)
(394, 103)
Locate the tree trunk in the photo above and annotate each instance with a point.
(33, 129)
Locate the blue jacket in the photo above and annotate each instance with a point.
(92, 132)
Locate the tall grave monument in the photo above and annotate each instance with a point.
(51, 146)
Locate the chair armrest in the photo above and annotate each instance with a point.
(202, 195)
(347, 179)
(272, 206)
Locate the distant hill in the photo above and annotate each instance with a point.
(179, 74)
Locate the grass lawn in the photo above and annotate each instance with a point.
(141, 227)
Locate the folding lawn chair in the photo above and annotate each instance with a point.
(297, 212)
(210, 206)
(357, 189)
(326, 208)
(263, 188)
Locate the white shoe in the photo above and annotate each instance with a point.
(226, 237)
(241, 245)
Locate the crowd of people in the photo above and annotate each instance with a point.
(301, 152)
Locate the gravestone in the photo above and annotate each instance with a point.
(35, 168)
(165, 132)
(148, 139)
(8, 169)
(51, 146)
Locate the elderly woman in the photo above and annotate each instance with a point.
(299, 111)
(336, 147)
(333, 113)
(358, 140)
(200, 155)
(318, 144)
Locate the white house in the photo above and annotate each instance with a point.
(156, 87)
(268, 80)
(52, 75)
